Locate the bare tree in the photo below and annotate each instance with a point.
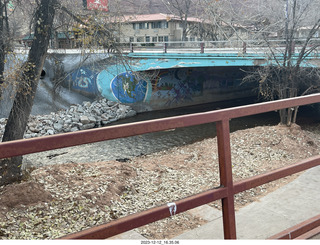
(28, 79)
(287, 77)
(218, 23)
(4, 29)
(182, 9)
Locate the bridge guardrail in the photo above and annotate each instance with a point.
(239, 46)
(228, 46)
(225, 191)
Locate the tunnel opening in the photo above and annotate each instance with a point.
(43, 74)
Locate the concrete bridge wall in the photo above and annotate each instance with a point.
(153, 84)
(152, 81)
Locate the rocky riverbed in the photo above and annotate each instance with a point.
(77, 117)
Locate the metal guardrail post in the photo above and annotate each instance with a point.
(201, 48)
(244, 48)
(165, 47)
(131, 47)
(226, 180)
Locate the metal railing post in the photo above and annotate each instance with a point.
(244, 48)
(201, 48)
(165, 47)
(131, 47)
(225, 168)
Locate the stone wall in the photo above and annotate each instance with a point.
(77, 117)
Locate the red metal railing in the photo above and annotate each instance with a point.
(227, 188)
(304, 230)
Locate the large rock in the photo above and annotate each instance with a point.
(84, 120)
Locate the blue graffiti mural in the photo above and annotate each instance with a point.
(176, 86)
(160, 89)
(128, 89)
(84, 80)
(125, 87)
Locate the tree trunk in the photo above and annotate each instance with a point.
(288, 115)
(10, 169)
(2, 46)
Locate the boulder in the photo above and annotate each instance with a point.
(84, 120)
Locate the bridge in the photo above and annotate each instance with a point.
(152, 76)
(215, 53)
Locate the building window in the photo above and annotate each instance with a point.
(140, 39)
(164, 24)
(135, 26)
(192, 39)
(147, 39)
(131, 39)
(163, 38)
(154, 39)
(159, 24)
(142, 25)
(155, 25)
